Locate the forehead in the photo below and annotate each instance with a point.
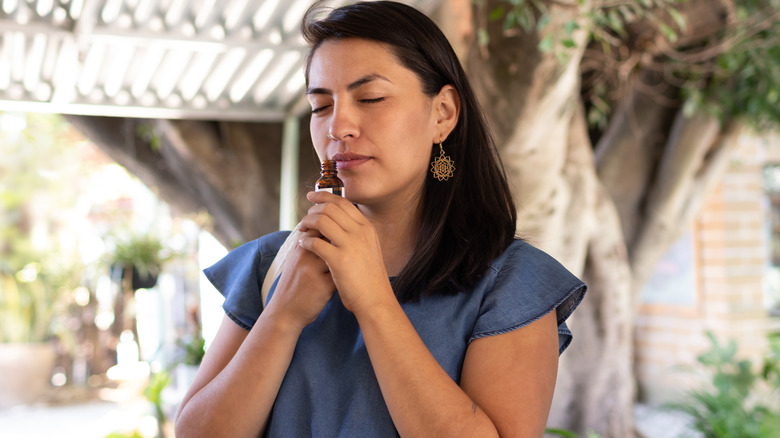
(338, 59)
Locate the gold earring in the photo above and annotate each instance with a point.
(442, 167)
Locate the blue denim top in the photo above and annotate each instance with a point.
(330, 389)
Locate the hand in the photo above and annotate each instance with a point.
(350, 248)
(305, 285)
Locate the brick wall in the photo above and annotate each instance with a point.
(729, 258)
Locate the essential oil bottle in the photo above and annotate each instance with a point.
(329, 180)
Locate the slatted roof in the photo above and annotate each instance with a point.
(200, 59)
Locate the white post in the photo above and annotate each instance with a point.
(288, 192)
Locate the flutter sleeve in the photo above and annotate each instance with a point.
(528, 284)
(239, 277)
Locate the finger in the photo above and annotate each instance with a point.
(306, 231)
(320, 198)
(323, 224)
(319, 247)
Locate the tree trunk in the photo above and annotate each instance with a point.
(607, 216)
(563, 209)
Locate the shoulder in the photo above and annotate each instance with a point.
(253, 252)
(520, 251)
(527, 264)
(268, 245)
(526, 283)
(239, 275)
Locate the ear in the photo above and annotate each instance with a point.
(446, 111)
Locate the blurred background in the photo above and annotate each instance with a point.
(101, 327)
(141, 140)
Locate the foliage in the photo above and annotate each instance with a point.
(33, 296)
(741, 400)
(612, 51)
(193, 348)
(153, 392)
(734, 73)
(145, 252)
(743, 79)
(32, 171)
(134, 434)
(37, 273)
(568, 433)
(149, 133)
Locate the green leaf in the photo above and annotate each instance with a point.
(561, 432)
(678, 18)
(668, 32)
(690, 107)
(742, 13)
(570, 26)
(544, 20)
(524, 19)
(134, 434)
(483, 37)
(562, 56)
(547, 44)
(569, 43)
(496, 14)
(615, 22)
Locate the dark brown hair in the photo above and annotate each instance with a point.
(469, 220)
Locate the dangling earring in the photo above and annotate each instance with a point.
(442, 167)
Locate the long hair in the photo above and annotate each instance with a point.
(469, 220)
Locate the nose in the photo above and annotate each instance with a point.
(343, 122)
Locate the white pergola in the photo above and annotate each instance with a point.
(197, 59)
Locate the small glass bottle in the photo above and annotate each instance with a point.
(329, 181)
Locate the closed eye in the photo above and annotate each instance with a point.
(319, 109)
(324, 107)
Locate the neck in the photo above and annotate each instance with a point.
(396, 232)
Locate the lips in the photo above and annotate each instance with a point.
(348, 160)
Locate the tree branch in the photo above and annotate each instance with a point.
(744, 32)
(684, 158)
(627, 153)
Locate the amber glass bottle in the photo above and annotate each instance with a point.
(329, 181)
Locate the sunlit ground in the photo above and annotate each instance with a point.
(94, 418)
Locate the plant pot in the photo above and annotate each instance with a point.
(26, 372)
(138, 281)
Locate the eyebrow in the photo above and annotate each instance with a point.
(355, 84)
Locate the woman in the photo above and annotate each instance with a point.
(408, 308)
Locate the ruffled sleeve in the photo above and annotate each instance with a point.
(239, 277)
(528, 284)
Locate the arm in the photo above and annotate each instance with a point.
(239, 378)
(512, 376)
(506, 387)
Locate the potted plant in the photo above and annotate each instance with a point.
(138, 259)
(31, 297)
(192, 351)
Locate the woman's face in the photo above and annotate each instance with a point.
(383, 122)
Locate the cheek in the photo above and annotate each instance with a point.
(317, 136)
(418, 132)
